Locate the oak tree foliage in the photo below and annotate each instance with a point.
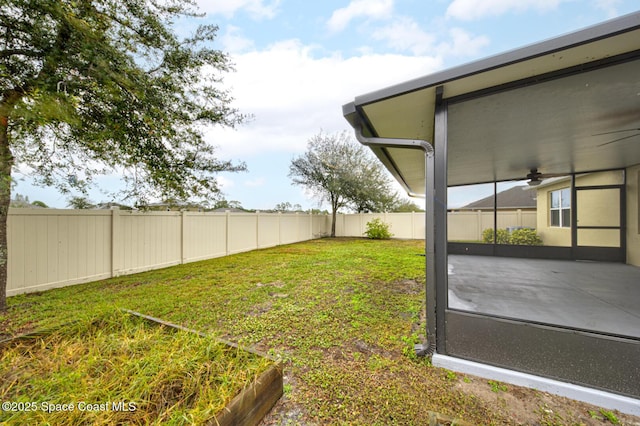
(90, 87)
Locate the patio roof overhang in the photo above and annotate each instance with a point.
(555, 106)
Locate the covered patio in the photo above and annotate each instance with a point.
(580, 295)
(568, 106)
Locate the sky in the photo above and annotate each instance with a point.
(297, 62)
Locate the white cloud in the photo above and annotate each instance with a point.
(405, 35)
(610, 7)
(463, 43)
(376, 9)
(468, 10)
(257, 9)
(233, 41)
(293, 94)
(224, 182)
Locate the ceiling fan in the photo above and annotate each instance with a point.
(536, 178)
(619, 139)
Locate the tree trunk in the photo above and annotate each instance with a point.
(6, 163)
(334, 212)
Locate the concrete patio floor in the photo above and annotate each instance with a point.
(596, 296)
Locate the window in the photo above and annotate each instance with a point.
(560, 211)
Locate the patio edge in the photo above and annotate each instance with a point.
(596, 397)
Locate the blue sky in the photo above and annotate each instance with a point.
(297, 62)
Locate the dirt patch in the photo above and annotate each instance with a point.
(407, 287)
(287, 411)
(528, 406)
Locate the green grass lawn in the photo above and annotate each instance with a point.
(341, 314)
(121, 369)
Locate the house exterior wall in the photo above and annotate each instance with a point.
(633, 215)
(551, 236)
(597, 208)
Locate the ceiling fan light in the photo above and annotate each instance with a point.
(534, 182)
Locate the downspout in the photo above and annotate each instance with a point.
(427, 148)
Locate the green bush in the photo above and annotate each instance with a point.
(525, 237)
(378, 230)
(522, 237)
(502, 234)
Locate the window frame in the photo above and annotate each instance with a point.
(560, 209)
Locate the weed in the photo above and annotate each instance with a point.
(497, 386)
(609, 416)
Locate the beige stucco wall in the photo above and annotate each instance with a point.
(599, 207)
(633, 215)
(551, 236)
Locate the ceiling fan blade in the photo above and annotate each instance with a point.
(616, 131)
(552, 175)
(619, 139)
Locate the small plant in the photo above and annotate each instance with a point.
(497, 386)
(609, 416)
(287, 388)
(451, 375)
(378, 230)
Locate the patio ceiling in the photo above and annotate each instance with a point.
(557, 106)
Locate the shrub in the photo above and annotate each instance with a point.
(378, 230)
(522, 237)
(525, 237)
(502, 236)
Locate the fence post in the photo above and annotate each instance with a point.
(257, 228)
(519, 216)
(279, 228)
(115, 243)
(227, 232)
(182, 235)
(413, 227)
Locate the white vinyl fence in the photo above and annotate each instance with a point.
(51, 248)
(54, 248)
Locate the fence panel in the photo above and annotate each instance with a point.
(243, 232)
(146, 241)
(268, 230)
(55, 248)
(205, 236)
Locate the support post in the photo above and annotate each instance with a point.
(440, 141)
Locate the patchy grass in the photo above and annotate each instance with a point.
(121, 369)
(341, 314)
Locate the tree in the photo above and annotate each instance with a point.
(287, 207)
(406, 206)
(105, 86)
(338, 170)
(80, 203)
